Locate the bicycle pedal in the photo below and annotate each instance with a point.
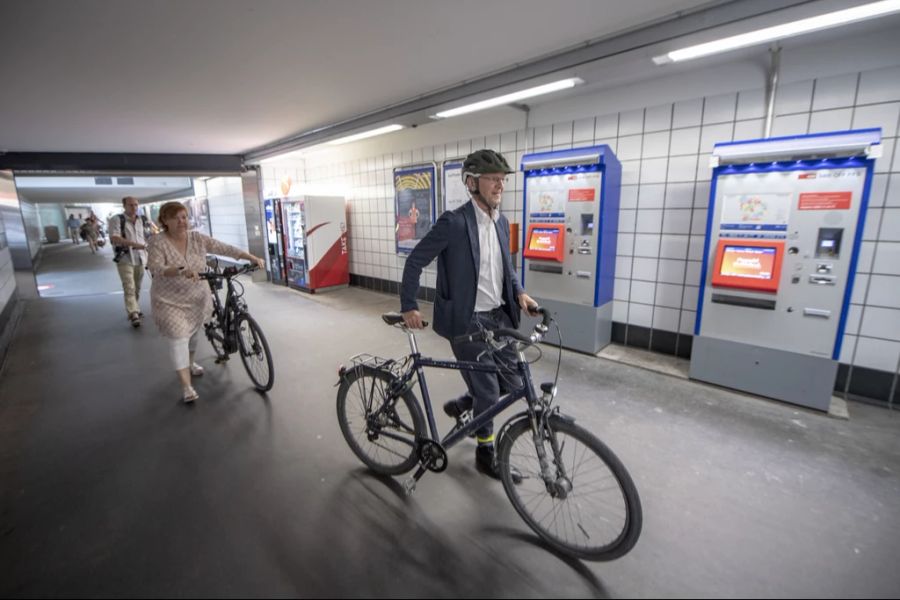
(409, 486)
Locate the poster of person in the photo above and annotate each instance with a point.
(454, 190)
(414, 197)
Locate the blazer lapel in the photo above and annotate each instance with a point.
(472, 228)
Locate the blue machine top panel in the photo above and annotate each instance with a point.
(835, 143)
(594, 156)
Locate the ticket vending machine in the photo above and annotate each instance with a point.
(571, 217)
(783, 236)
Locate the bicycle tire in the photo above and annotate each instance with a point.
(255, 353)
(360, 402)
(584, 523)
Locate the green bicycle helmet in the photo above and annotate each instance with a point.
(485, 161)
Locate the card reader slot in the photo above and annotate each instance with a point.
(763, 303)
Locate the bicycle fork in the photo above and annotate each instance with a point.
(558, 484)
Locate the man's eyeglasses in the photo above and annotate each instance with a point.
(495, 179)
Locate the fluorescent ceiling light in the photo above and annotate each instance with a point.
(365, 134)
(778, 32)
(319, 147)
(513, 97)
(277, 157)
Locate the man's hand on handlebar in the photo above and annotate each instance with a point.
(413, 319)
(528, 304)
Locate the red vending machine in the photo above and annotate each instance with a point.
(316, 256)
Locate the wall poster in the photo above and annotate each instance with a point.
(414, 199)
(453, 191)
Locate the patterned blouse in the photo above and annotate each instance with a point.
(180, 306)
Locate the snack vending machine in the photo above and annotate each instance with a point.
(316, 255)
(274, 240)
(783, 235)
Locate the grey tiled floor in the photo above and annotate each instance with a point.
(109, 486)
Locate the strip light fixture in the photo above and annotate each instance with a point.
(365, 134)
(786, 30)
(344, 140)
(547, 88)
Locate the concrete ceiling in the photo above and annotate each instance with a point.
(91, 190)
(226, 76)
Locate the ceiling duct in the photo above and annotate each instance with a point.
(103, 181)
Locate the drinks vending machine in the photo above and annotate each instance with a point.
(316, 255)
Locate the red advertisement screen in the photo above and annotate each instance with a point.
(748, 264)
(748, 261)
(544, 240)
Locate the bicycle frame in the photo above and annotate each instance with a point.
(419, 363)
(226, 313)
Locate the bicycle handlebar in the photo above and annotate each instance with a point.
(539, 330)
(229, 272)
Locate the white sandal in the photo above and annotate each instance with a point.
(197, 370)
(190, 394)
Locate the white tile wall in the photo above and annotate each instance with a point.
(688, 113)
(664, 149)
(830, 120)
(887, 258)
(720, 109)
(881, 85)
(751, 104)
(835, 92)
(794, 98)
(877, 354)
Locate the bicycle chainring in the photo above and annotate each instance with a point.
(432, 456)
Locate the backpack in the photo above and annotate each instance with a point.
(120, 250)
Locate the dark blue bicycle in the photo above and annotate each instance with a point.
(565, 483)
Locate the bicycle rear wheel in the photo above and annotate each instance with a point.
(382, 431)
(255, 354)
(591, 510)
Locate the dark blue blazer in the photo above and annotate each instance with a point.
(454, 241)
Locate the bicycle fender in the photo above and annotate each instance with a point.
(522, 416)
(343, 372)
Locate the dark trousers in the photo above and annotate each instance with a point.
(485, 388)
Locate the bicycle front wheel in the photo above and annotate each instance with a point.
(589, 508)
(216, 338)
(255, 353)
(380, 429)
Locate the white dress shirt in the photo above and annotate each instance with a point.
(490, 268)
